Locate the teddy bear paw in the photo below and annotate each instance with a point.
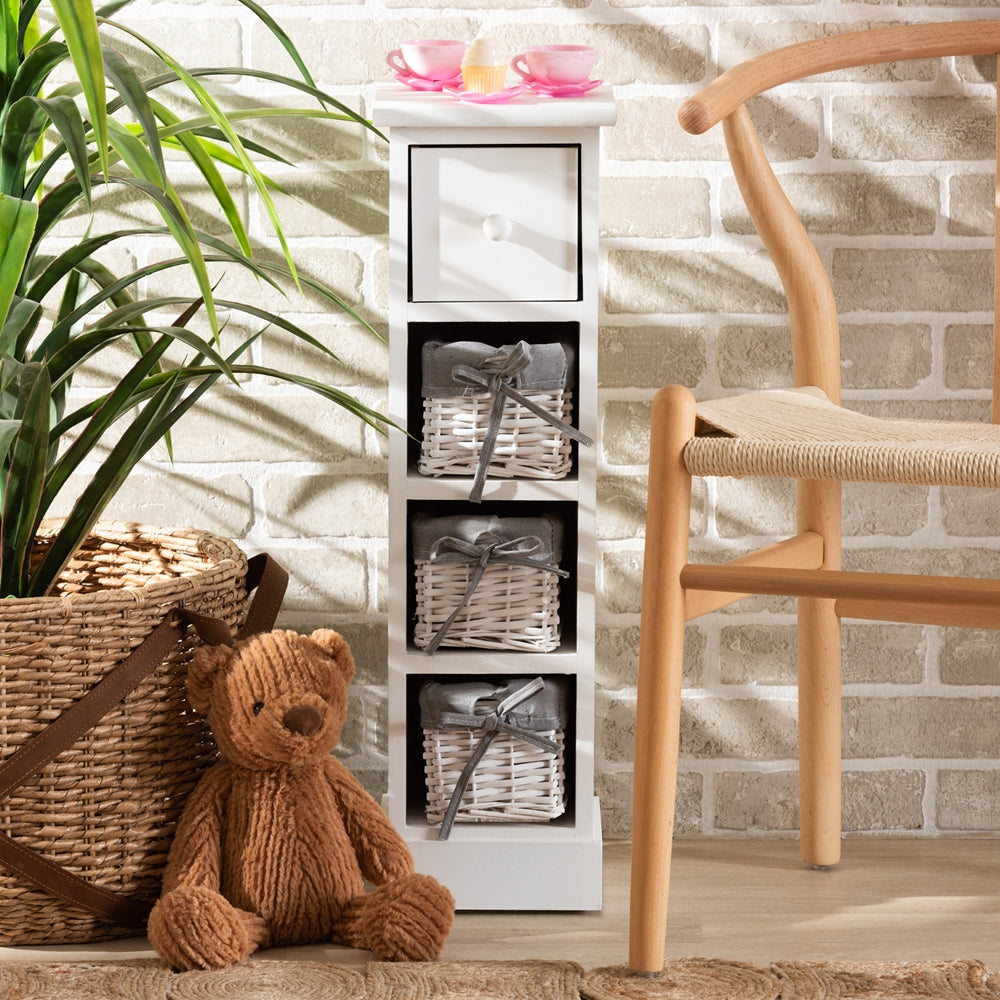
(406, 920)
(193, 927)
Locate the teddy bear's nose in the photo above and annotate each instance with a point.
(303, 720)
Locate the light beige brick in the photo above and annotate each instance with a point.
(353, 52)
(885, 355)
(745, 729)
(752, 802)
(883, 801)
(974, 512)
(918, 280)
(626, 53)
(928, 561)
(878, 653)
(324, 580)
(757, 654)
(618, 656)
(754, 356)
(648, 129)
(872, 801)
(324, 202)
(912, 128)
(235, 427)
(326, 506)
(755, 506)
(743, 39)
(621, 507)
(621, 581)
(968, 801)
(220, 503)
(654, 281)
(968, 356)
(361, 358)
(970, 656)
(615, 792)
(872, 654)
(650, 356)
(970, 207)
(848, 204)
(663, 207)
(625, 433)
(946, 728)
(883, 509)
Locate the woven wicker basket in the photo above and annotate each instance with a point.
(528, 447)
(514, 781)
(532, 435)
(513, 607)
(106, 808)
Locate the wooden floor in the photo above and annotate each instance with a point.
(892, 900)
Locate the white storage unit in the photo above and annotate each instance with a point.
(493, 239)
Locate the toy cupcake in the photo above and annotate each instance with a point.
(484, 69)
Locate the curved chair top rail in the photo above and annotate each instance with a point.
(823, 55)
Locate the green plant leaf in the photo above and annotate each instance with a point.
(66, 117)
(24, 477)
(17, 227)
(8, 431)
(125, 80)
(8, 44)
(280, 34)
(20, 325)
(79, 27)
(104, 483)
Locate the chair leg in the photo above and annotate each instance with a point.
(661, 655)
(820, 690)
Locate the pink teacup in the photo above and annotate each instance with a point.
(429, 58)
(555, 65)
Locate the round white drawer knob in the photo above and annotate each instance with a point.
(496, 227)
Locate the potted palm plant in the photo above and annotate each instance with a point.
(60, 308)
(79, 118)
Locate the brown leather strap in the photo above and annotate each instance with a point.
(269, 580)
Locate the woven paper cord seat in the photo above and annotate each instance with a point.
(800, 434)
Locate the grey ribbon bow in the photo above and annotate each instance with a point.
(495, 373)
(491, 725)
(486, 549)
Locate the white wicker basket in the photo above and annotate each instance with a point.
(500, 747)
(514, 782)
(497, 411)
(528, 446)
(512, 606)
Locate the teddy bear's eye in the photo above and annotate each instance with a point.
(258, 708)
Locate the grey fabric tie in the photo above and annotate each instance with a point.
(495, 374)
(486, 549)
(491, 726)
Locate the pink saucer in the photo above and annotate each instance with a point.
(566, 90)
(419, 83)
(498, 97)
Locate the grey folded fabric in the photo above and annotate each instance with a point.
(463, 704)
(549, 368)
(488, 529)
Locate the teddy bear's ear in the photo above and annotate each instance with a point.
(205, 666)
(335, 646)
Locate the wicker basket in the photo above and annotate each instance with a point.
(507, 598)
(519, 776)
(105, 809)
(503, 412)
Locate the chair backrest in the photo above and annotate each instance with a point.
(811, 307)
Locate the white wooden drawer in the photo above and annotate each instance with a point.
(495, 223)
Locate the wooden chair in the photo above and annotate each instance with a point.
(800, 433)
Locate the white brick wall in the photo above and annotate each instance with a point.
(687, 297)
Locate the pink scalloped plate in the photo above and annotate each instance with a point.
(497, 97)
(566, 90)
(419, 83)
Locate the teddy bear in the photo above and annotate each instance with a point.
(277, 839)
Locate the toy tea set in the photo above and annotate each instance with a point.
(478, 72)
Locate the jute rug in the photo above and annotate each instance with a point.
(685, 979)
